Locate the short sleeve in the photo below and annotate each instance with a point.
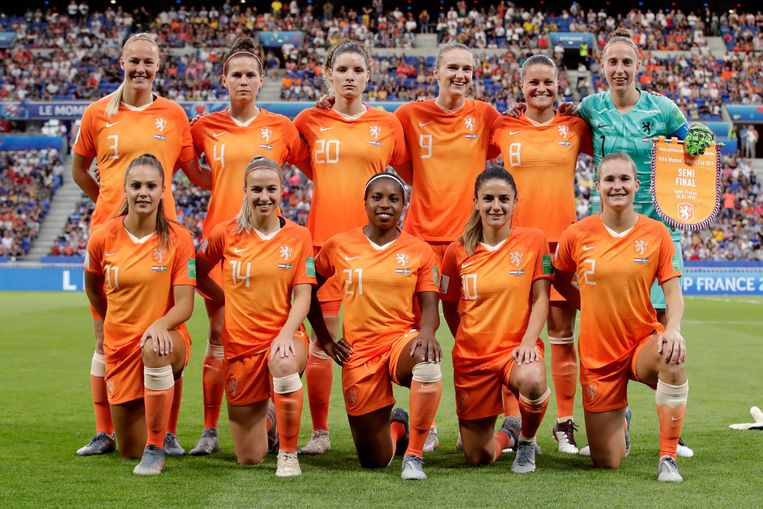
(305, 273)
(197, 136)
(84, 144)
(491, 116)
(669, 266)
(187, 151)
(584, 133)
(428, 278)
(213, 247)
(450, 282)
(184, 264)
(544, 268)
(324, 262)
(563, 258)
(94, 255)
(400, 154)
(296, 148)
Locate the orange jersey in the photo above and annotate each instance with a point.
(380, 284)
(493, 288)
(448, 150)
(258, 277)
(344, 154)
(138, 280)
(542, 160)
(228, 147)
(160, 129)
(615, 275)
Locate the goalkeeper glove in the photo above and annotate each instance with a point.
(698, 140)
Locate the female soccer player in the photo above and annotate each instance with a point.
(540, 149)
(383, 270)
(140, 274)
(618, 254)
(495, 291)
(229, 139)
(348, 144)
(114, 131)
(268, 273)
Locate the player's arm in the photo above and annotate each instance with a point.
(95, 294)
(177, 315)
(340, 351)
(430, 321)
(196, 174)
(563, 282)
(300, 305)
(671, 343)
(452, 318)
(405, 170)
(206, 284)
(81, 175)
(527, 352)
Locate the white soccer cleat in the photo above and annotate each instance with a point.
(667, 470)
(585, 451)
(413, 469)
(152, 462)
(288, 465)
(318, 444)
(682, 450)
(564, 434)
(433, 440)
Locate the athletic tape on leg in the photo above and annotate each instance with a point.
(98, 365)
(671, 395)
(214, 351)
(317, 351)
(561, 341)
(427, 372)
(287, 384)
(158, 379)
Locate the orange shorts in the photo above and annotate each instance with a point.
(368, 387)
(479, 391)
(330, 295)
(606, 388)
(124, 377)
(248, 380)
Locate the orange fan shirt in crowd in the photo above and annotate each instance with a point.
(379, 287)
(448, 150)
(160, 129)
(542, 160)
(259, 273)
(493, 287)
(228, 147)
(615, 274)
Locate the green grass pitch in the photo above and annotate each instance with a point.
(45, 415)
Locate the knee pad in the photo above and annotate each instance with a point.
(316, 351)
(287, 384)
(158, 379)
(98, 365)
(427, 372)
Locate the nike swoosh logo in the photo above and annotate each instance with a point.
(512, 133)
(325, 128)
(111, 125)
(674, 419)
(218, 134)
(348, 258)
(465, 265)
(239, 249)
(110, 254)
(588, 248)
(424, 124)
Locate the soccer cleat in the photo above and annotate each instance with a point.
(585, 451)
(400, 415)
(288, 465)
(683, 450)
(512, 427)
(318, 444)
(101, 443)
(207, 444)
(433, 441)
(667, 470)
(152, 462)
(413, 468)
(273, 431)
(171, 445)
(628, 415)
(524, 463)
(564, 434)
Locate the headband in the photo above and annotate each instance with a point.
(262, 167)
(381, 176)
(140, 38)
(242, 53)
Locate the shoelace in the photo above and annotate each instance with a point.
(524, 453)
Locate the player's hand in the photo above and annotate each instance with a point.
(699, 139)
(158, 338)
(568, 109)
(526, 354)
(326, 102)
(429, 345)
(340, 351)
(196, 118)
(672, 347)
(282, 346)
(515, 110)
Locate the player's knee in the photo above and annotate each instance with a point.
(533, 384)
(671, 373)
(477, 457)
(151, 358)
(609, 462)
(286, 384)
(375, 460)
(250, 458)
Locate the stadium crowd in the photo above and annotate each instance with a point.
(29, 180)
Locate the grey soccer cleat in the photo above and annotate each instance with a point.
(413, 469)
(667, 470)
(433, 440)
(512, 427)
(152, 462)
(207, 444)
(171, 445)
(524, 463)
(101, 443)
(318, 444)
(401, 415)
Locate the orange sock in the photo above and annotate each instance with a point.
(501, 441)
(532, 413)
(288, 396)
(424, 399)
(103, 423)
(213, 385)
(157, 395)
(172, 425)
(564, 372)
(510, 405)
(319, 375)
(396, 432)
(671, 407)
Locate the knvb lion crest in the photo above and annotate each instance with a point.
(590, 392)
(285, 252)
(401, 259)
(516, 258)
(564, 131)
(158, 255)
(375, 131)
(641, 246)
(265, 134)
(686, 211)
(469, 123)
(160, 124)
